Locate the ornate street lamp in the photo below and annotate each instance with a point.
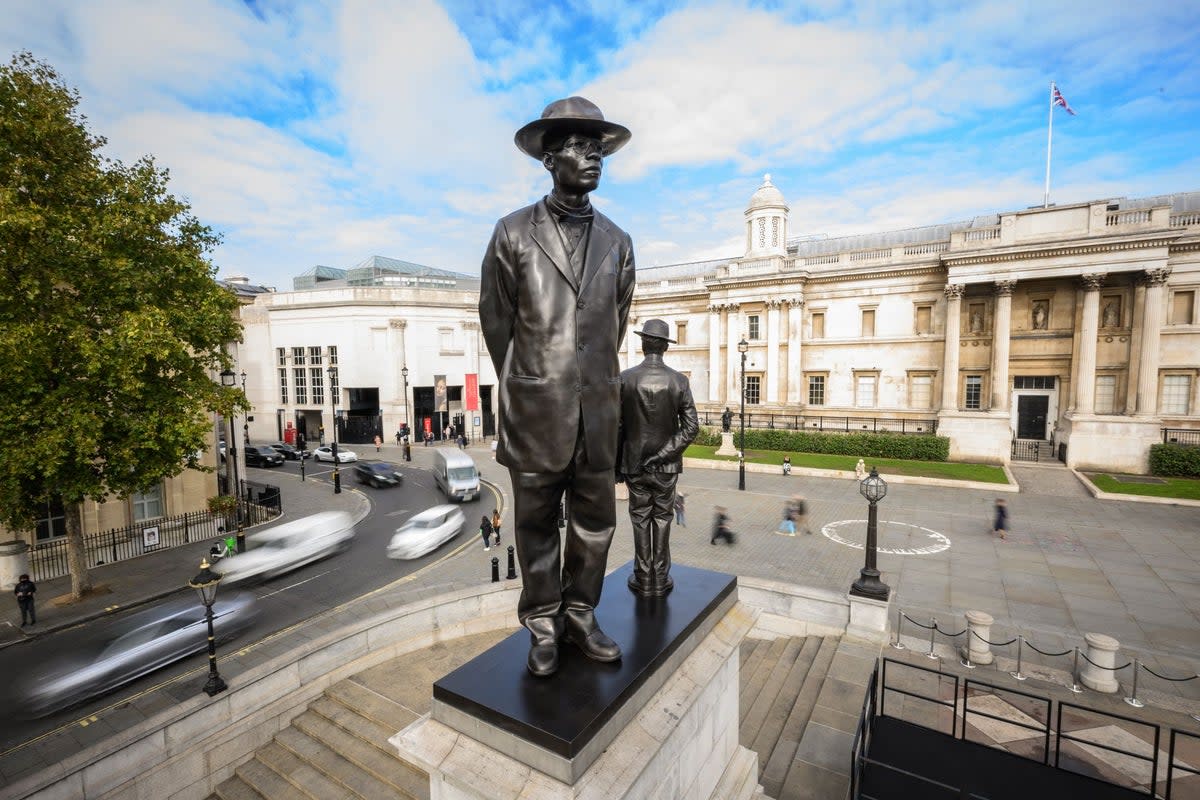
(241, 533)
(205, 584)
(874, 488)
(229, 380)
(337, 475)
(742, 346)
(407, 416)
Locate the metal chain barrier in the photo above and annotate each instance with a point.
(1133, 698)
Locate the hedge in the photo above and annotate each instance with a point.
(864, 445)
(1174, 460)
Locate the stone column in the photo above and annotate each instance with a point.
(1089, 329)
(772, 352)
(1136, 324)
(795, 366)
(1152, 322)
(1001, 330)
(1096, 672)
(714, 354)
(733, 332)
(979, 630)
(954, 293)
(631, 347)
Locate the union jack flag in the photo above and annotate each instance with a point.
(1058, 100)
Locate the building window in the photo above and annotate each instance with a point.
(681, 332)
(318, 385)
(1033, 382)
(446, 339)
(53, 522)
(864, 390)
(816, 390)
(1174, 396)
(1183, 307)
(818, 325)
(333, 355)
(974, 393)
(923, 322)
(281, 356)
(314, 355)
(301, 384)
(298, 356)
(1106, 390)
(148, 504)
(752, 327)
(868, 322)
(283, 386)
(753, 389)
(920, 391)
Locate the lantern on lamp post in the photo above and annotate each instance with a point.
(874, 488)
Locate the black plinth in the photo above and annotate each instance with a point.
(564, 712)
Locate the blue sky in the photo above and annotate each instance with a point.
(325, 132)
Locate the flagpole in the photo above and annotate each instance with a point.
(1049, 141)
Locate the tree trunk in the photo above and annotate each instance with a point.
(77, 560)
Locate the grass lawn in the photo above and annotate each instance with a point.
(894, 466)
(1182, 488)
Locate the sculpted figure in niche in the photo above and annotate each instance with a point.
(1040, 315)
(1111, 318)
(976, 321)
(556, 286)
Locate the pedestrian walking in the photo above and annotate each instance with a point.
(1000, 526)
(496, 526)
(860, 470)
(788, 525)
(680, 508)
(399, 437)
(378, 442)
(485, 531)
(787, 465)
(24, 591)
(720, 528)
(800, 514)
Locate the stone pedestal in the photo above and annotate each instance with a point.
(979, 630)
(727, 448)
(14, 561)
(868, 619)
(1102, 651)
(984, 436)
(661, 723)
(1110, 442)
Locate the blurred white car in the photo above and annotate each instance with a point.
(325, 453)
(426, 531)
(288, 546)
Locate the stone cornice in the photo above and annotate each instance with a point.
(1078, 248)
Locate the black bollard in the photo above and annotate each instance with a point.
(301, 469)
(495, 570)
(512, 564)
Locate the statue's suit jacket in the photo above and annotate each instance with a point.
(658, 418)
(553, 340)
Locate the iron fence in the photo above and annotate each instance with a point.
(1181, 436)
(826, 424)
(1026, 450)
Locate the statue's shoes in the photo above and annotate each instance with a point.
(595, 645)
(543, 658)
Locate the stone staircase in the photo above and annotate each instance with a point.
(338, 748)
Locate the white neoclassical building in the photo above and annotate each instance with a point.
(1070, 331)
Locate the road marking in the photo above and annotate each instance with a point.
(940, 541)
(294, 585)
(396, 513)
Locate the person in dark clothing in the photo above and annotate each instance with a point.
(25, 590)
(1000, 527)
(720, 528)
(485, 531)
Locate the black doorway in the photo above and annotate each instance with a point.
(1031, 416)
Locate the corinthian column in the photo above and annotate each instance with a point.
(954, 293)
(1152, 321)
(795, 366)
(733, 332)
(772, 352)
(1000, 345)
(714, 354)
(1089, 329)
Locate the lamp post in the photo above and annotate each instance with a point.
(337, 475)
(205, 584)
(246, 417)
(407, 416)
(229, 380)
(742, 346)
(874, 488)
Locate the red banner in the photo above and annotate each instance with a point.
(472, 398)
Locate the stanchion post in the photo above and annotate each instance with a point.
(1133, 699)
(1075, 687)
(1020, 654)
(495, 570)
(932, 636)
(897, 644)
(966, 662)
(512, 564)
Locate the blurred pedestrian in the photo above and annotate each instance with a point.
(1000, 526)
(378, 442)
(800, 513)
(788, 525)
(680, 508)
(485, 531)
(496, 526)
(720, 528)
(860, 470)
(787, 465)
(25, 590)
(399, 437)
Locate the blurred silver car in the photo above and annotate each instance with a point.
(131, 647)
(288, 546)
(426, 531)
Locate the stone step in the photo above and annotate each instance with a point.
(753, 683)
(234, 789)
(368, 703)
(769, 695)
(334, 764)
(771, 728)
(373, 762)
(783, 776)
(740, 778)
(368, 730)
(306, 779)
(266, 782)
(751, 653)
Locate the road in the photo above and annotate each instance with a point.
(282, 602)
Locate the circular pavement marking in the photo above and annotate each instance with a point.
(939, 541)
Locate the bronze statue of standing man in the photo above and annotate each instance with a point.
(557, 284)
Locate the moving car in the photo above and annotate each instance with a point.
(290, 451)
(426, 531)
(131, 647)
(326, 454)
(455, 474)
(259, 455)
(287, 547)
(378, 473)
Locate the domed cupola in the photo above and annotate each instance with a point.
(766, 222)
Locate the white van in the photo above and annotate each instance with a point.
(455, 474)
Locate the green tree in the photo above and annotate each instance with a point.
(111, 322)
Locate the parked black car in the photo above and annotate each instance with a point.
(290, 452)
(378, 473)
(259, 455)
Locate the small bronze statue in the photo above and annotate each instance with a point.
(556, 286)
(658, 422)
(726, 420)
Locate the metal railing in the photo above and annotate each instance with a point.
(1181, 436)
(827, 424)
(1027, 450)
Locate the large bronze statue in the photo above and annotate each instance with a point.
(557, 283)
(658, 422)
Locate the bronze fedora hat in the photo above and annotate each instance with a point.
(573, 115)
(657, 329)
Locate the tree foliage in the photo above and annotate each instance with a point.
(111, 322)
